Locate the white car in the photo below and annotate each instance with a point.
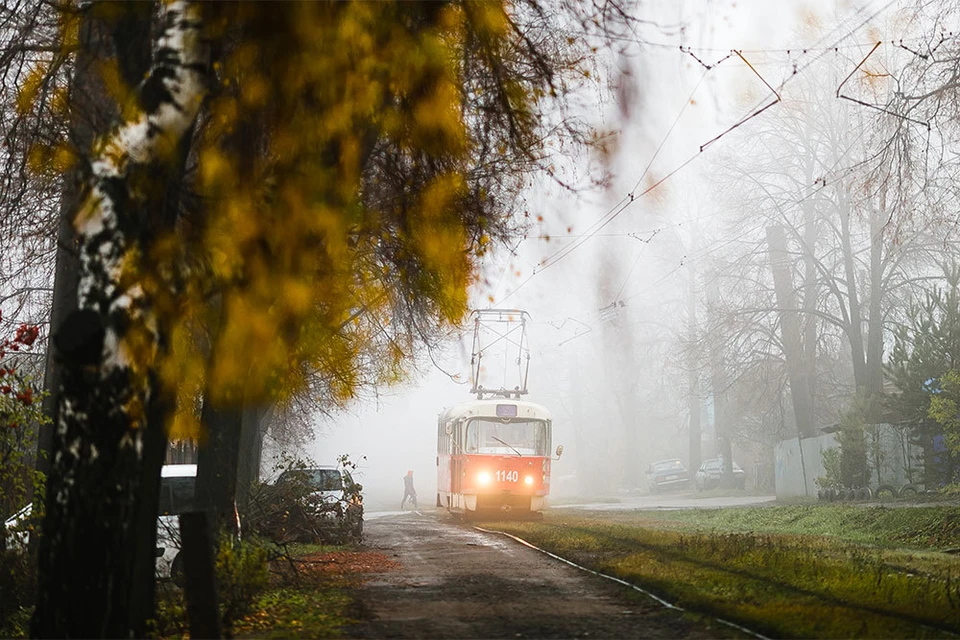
(18, 537)
(177, 495)
(334, 495)
(178, 484)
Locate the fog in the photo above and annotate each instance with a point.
(624, 284)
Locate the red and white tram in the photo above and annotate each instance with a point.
(493, 455)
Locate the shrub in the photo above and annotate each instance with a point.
(20, 416)
(171, 612)
(17, 589)
(831, 469)
(292, 510)
(241, 575)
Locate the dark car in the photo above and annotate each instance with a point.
(667, 474)
(709, 474)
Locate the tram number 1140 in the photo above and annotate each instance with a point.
(508, 475)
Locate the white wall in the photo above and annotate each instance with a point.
(795, 475)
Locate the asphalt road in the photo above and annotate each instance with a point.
(456, 582)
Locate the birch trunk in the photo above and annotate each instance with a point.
(90, 563)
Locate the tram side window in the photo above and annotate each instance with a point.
(543, 440)
(444, 441)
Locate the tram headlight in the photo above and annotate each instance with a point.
(528, 480)
(483, 478)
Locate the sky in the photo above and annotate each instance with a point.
(636, 261)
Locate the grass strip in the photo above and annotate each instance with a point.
(788, 586)
(933, 527)
(317, 611)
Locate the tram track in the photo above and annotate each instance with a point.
(451, 581)
(625, 544)
(625, 583)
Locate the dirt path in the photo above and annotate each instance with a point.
(455, 582)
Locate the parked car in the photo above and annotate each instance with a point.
(178, 486)
(15, 534)
(177, 495)
(332, 494)
(667, 474)
(711, 471)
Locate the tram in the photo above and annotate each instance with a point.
(493, 456)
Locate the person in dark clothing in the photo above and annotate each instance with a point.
(408, 490)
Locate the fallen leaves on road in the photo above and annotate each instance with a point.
(348, 562)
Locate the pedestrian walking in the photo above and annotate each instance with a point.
(408, 490)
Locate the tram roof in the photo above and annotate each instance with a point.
(488, 408)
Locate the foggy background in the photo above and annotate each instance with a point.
(614, 278)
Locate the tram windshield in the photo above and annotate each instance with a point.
(518, 437)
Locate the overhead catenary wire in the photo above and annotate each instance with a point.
(736, 234)
(623, 203)
(631, 197)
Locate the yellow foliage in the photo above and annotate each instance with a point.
(30, 87)
(117, 89)
(298, 251)
(490, 18)
(68, 28)
(440, 128)
(215, 168)
(51, 159)
(63, 158)
(60, 102)
(255, 91)
(185, 424)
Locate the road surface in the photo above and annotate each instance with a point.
(456, 582)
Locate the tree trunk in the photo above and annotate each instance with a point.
(695, 454)
(693, 380)
(142, 597)
(874, 362)
(105, 448)
(90, 117)
(723, 432)
(217, 465)
(790, 330)
(810, 291)
(252, 430)
(855, 329)
(722, 429)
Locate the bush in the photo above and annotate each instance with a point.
(20, 418)
(294, 511)
(241, 576)
(17, 590)
(171, 612)
(831, 469)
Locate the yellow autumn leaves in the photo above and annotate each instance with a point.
(295, 246)
(326, 181)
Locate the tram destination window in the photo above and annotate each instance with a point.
(524, 437)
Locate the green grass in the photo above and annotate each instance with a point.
(314, 611)
(826, 572)
(917, 527)
(296, 602)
